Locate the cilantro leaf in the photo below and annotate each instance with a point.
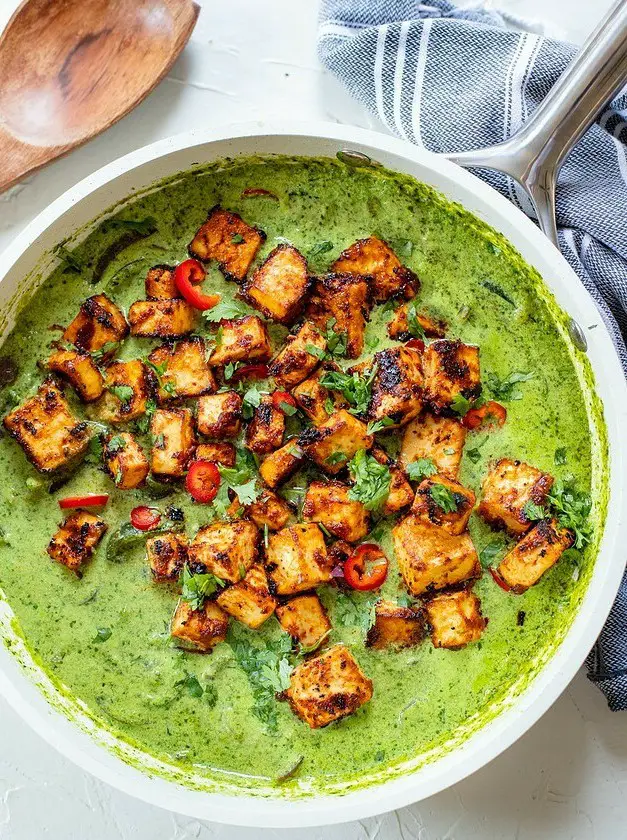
(191, 685)
(460, 405)
(422, 468)
(225, 310)
(474, 455)
(505, 389)
(102, 634)
(123, 392)
(488, 555)
(413, 324)
(237, 239)
(375, 427)
(572, 509)
(94, 451)
(247, 493)
(356, 389)
(197, 587)
(534, 512)
(444, 498)
(372, 481)
(560, 456)
(493, 287)
(319, 248)
(116, 444)
(355, 610)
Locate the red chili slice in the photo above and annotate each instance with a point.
(476, 416)
(499, 580)
(250, 372)
(145, 518)
(366, 568)
(255, 192)
(93, 500)
(415, 344)
(202, 481)
(283, 397)
(187, 274)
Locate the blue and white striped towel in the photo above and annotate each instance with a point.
(452, 80)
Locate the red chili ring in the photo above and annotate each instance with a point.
(279, 397)
(356, 573)
(145, 518)
(250, 372)
(186, 276)
(203, 481)
(476, 416)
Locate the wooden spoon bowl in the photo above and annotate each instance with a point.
(72, 68)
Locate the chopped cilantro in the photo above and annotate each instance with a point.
(560, 456)
(505, 389)
(142, 424)
(336, 341)
(372, 481)
(493, 287)
(319, 248)
(413, 324)
(229, 370)
(355, 610)
(356, 389)
(94, 451)
(197, 587)
(116, 444)
(488, 555)
(444, 498)
(191, 685)
(572, 509)
(534, 512)
(329, 407)
(108, 347)
(102, 634)
(474, 455)
(237, 239)
(460, 405)
(318, 352)
(375, 427)
(70, 258)
(247, 493)
(226, 309)
(287, 409)
(123, 392)
(145, 226)
(422, 468)
(250, 401)
(159, 441)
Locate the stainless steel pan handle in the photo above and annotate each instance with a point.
(534, 155)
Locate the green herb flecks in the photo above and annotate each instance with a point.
(444, 498)
(225, 310)
(422, 468)
(103, 634)
(372, 481)
(493, 287)
(190, 685)
(196, 588)
(356, 389)
(505, 389)
(572, 509)
(355, 610)
(488, 555)
(413, 324)
(379, 425)
(123, 392)
(145, 226)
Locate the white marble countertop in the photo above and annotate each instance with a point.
(567, 778)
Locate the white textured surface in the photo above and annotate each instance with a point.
(567, 778)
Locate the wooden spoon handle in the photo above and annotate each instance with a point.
(19, 159)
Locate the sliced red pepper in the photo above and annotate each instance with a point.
(250, 372)
(255, 192)
(476, 416)
(283, 397)
(415, 344)
(145, 518)
(203, 481)
(186, 275)
(499, 580)
(366, 568)
(92, 500)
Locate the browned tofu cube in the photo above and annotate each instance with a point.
(455, 619)
(249, 600)
(182, 369)
(430, 558)
(128, 391)
(279, 286)
(399, 327)
(305, 619)
(534, 554)
(343, 302)
(396, 626)
(296, 559)
(266, 428)
(162, 318)
(46, 429)
(226, 549)
(281, 464)
(438, 439)
(328, 503)
(77, 537)
(160, 283)
(242, 340)
(270, 510)
(226, 238)
(401, 494)
(298, 357)
(328, 687)
(374, 258)
(312, 397)
(99, 322)
(167, 554)
(397, 387)
(444, 502)
(125, 461)
(80, 371)
(199, 630)
(451, 370)
(173, 441)
(507, 488)
(333, 444)
(220, 415)
(219, 453)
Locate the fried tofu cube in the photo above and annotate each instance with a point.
(296, 559)
(270, 510)
(174, 441)
(127, 392)
(343, 302)
(451, 370)
(266, 428)
(218, 453)
(160, 283)
(399, 328)
(507, 488)
(279, 286)
(401, 494)
(395, 626)
(182, 369)
(46, 429)
(329, 504)
(328, 687)
(438, 439)
(162, 318)
(455, 619)
(125, 461)
(333, 444)
(227, 549)
(305, 619)
(430, 558)
(226, 238)
(534, 554)
(243, 339)
(80, 371)
(444, 502)
(199, 630)
(281, 464)
(312, 397)
(167, 555)
(77, 538)
(397, 387)
(220, 415)
(374, 258)
(99, 322)
(298, 357)
(249, 600)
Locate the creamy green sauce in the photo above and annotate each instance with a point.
(135, 682)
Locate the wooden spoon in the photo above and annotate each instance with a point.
(72, 68)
